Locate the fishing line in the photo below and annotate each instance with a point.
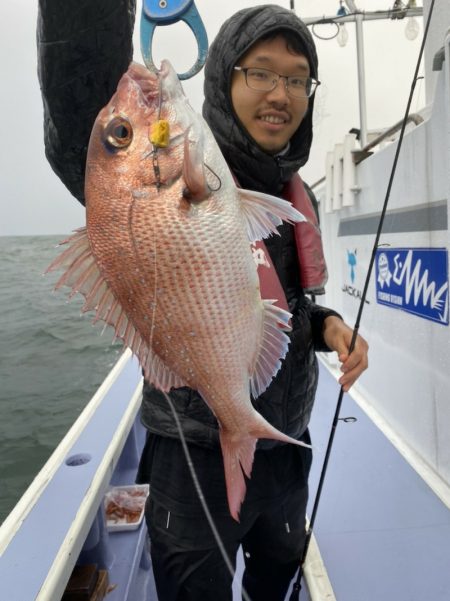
(297, 585)
(155, 163)
(201, 496)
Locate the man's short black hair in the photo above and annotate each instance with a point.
(293, 42)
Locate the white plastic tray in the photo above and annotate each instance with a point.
(124, 507)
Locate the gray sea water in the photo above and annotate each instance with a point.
(51, 362)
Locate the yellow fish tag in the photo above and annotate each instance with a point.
(160, 133)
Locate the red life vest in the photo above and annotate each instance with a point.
(312, 265)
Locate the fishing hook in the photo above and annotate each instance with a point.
(216, 176)
(297, 584)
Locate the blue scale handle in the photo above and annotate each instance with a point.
(167, 12)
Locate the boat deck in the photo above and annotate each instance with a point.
(382, 532)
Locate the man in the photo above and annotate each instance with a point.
(259, 93)
(258, 103)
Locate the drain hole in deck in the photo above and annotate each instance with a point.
(79, 459)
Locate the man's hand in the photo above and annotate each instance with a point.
(338, 336)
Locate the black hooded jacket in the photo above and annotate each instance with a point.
(254, 168)
(83, 49)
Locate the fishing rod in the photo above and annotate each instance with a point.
(297, 584)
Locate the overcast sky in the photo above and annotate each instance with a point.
(32, 199)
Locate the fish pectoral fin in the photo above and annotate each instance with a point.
(263, 213)
(273, 348)
(194, 174)
(238, 456)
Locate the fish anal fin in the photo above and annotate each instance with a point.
(263, 213)
(157, 372)
(82, 275)
(273, 348)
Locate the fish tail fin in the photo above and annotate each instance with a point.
(238, 454)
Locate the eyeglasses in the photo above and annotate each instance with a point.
(264, 80)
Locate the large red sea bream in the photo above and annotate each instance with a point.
(165, 259)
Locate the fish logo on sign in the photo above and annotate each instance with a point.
(415, 280)
(350, 289)
(351, 260)
(384, 275)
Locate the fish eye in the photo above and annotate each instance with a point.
(118, 133)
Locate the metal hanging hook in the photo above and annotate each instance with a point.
(167, 12)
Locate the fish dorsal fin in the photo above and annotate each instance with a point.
(273, 348)
(83, 275)
(264, 213)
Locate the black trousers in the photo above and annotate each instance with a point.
(187, 564)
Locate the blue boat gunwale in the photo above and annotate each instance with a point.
(99, 434)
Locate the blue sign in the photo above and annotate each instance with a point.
(415, 280)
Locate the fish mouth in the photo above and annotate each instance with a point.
(171, 90)
(142, 75)
(162, 85)
(146, 81)
(166, 69)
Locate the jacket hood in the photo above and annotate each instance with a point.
(253, 167)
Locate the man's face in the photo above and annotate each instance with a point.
(271, 118)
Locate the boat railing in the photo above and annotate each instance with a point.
(360, 155)
(45, 533)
